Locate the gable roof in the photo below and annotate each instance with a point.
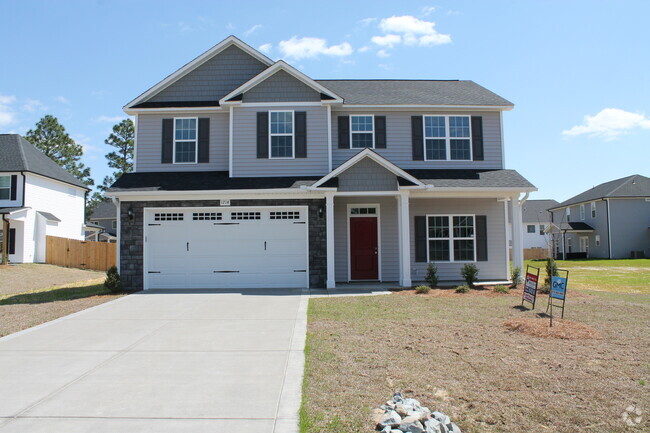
(105, 209)
(18, 154)
(537, 210)
(464, 178)
(280, 65)
(630, 186)
(198, 61)
(415, 92)
(368, 153)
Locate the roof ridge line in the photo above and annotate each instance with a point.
(629, 178)
(22, 150)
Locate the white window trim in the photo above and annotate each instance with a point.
(375, 215)
(8, 189)
(196, 140)
(447, 137)
(583, 213)
(597, 240)
(283, 134)
(363, 132)
(451, 238)
(593, 209)
(568, 214)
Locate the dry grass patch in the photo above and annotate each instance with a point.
(540, 327)
(453, 353)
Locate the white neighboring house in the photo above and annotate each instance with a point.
(535, 219)
(38, 198)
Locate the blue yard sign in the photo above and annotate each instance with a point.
(558, 288)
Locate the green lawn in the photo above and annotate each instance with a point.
(66, 292)
(614, 276)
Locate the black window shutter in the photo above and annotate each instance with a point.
(300, 117)
(416, 138)
(344, 132)
(477, 138)
(14, 183)
(420, 239)
(167, 141)
(12, 242)
(481, 238)
(262, 134)
(204, 140)
(380, 132)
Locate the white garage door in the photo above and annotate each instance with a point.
(226, 247)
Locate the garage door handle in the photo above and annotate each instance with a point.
(300, 270)
(225, 272)
(188, 246)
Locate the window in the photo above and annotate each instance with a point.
(285, 215)
(362, 132)
(447, 138)
(206, 216)
(541, 229)
(593, 209)
(568, 214)
(530, 228)
(172, 216)
(281, 132)
(114, 224)
(5, 187)
(185, 137)
(569, 245)
(453, 243)
(597, 240)
(245, 216)
(363, 211)
(582, 212)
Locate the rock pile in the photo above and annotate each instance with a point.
(406, 415)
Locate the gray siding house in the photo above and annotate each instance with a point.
(102, 223)
(611, 220)
(249, 173)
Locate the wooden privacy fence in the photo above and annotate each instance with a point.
(72, 253)
(535, 253)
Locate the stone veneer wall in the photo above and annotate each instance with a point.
(132, 239)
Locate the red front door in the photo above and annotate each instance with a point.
(363, 248)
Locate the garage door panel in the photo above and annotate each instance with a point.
(227, 253)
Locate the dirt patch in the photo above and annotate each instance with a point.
(31, 276)
(563, 329)
(14, 318)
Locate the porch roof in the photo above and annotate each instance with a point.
(451, 178)
(571, 227)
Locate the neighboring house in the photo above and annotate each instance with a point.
(535, 219)
(102, 223)
(611, 220)
(38, 198)
(249, 173)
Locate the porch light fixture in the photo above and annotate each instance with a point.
(130, 213)
(321, 211)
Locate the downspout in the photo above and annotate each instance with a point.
(609, 231)
(5, 241)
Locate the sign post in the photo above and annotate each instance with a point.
(530, 286)
(558, 292)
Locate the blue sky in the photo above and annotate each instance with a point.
(577, 71)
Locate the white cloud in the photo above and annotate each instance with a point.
(610, 123)
(32, 105)
(387, 40)
(368, 21)
(428, 10)
(62, 99)
(253, 29)
(413, 31)
(7, 115)
(307, 47)
(83, 141)
(265, 48)
(363, 49)
(383, 53)
(109, 119)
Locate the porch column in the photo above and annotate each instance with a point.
(329, 218)
(405, 239)
(517, 235)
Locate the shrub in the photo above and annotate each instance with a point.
(112, 281)
(462, 289)
(516, 277)
(501, 289)
(551, 271)
(422, 290)
(432, 275)
(469, 272)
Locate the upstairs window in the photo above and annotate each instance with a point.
(185, 137)
(593, 209)
(5, 187)
(281, 133)
(582, 212)
(447, 138)
(530, 228)
(542, 227)
(568, 214)
(362, 132)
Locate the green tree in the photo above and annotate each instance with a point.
(122, 139)
(51, 138)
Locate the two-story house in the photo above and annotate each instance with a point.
(102, 223)
(38, 198)
(608, 221)
(248, 173)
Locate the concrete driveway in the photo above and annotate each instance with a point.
(160, 362)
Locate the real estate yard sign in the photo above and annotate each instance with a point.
(558, 292)
(530, 286)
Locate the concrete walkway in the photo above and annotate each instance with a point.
(160, 362)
